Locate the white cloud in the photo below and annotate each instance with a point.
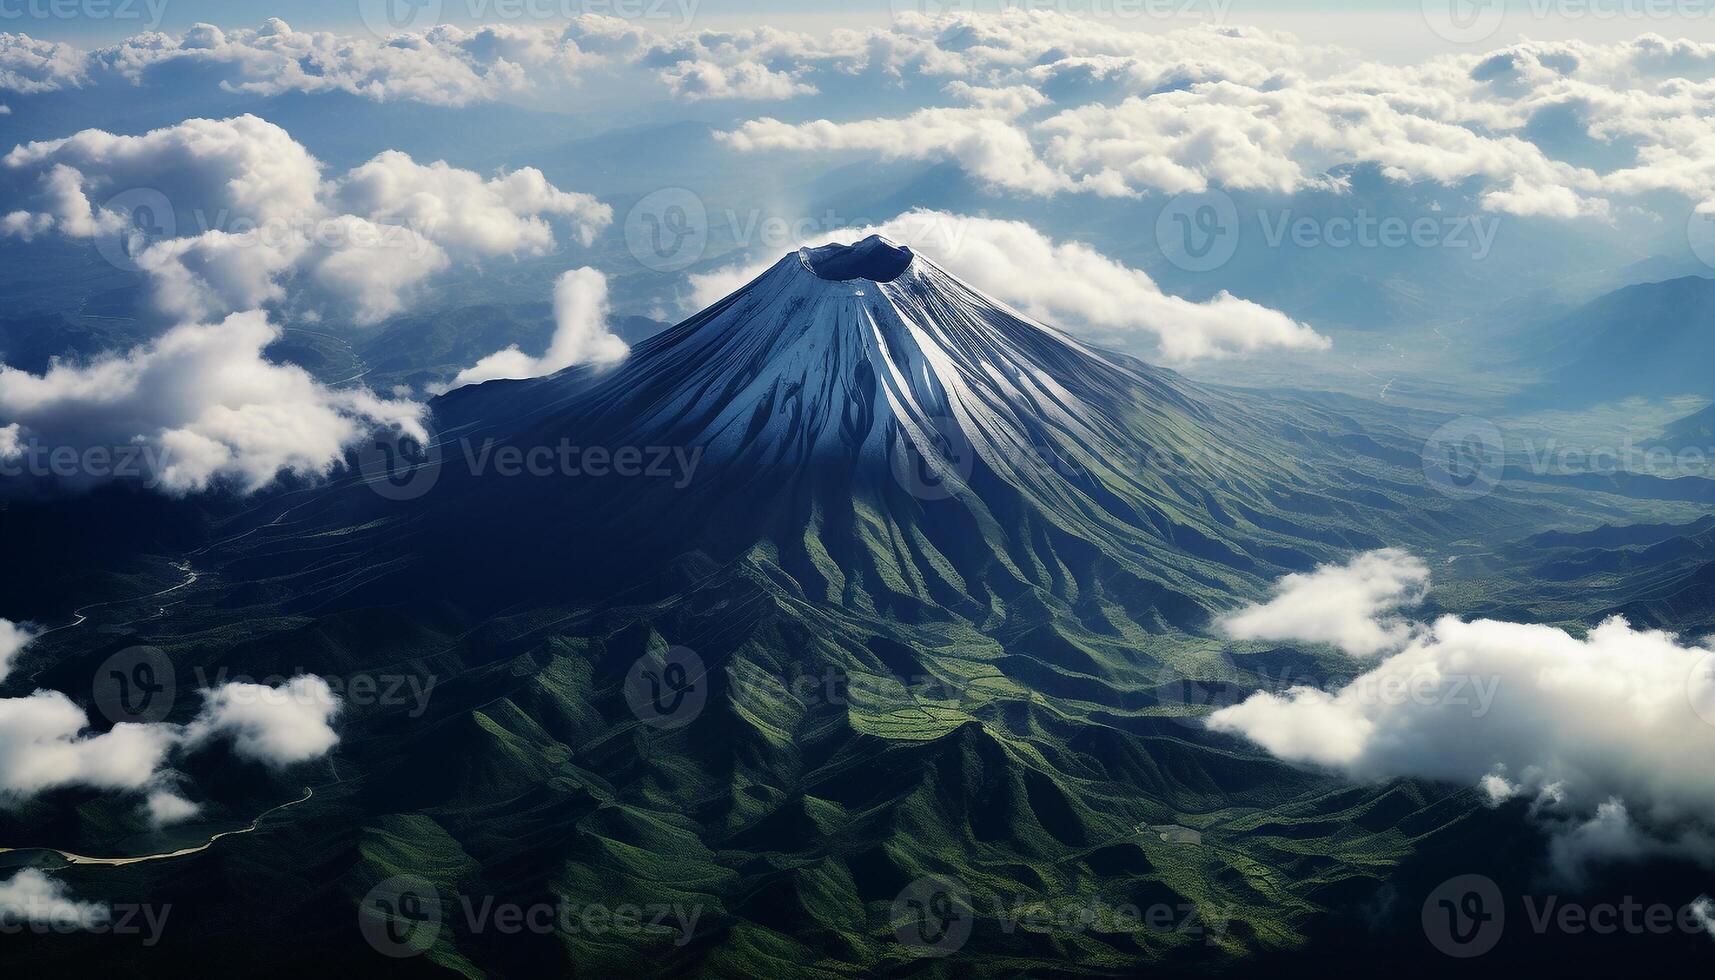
(275, 725)
(240, 209)
(1138, 112)
(32, 897)
(43, 746)
(46, 744)
(246, 168)
(697, 80)
(1704, 910)
(1607, 733)
(1353, 606)
(461, 211)
(581, 335)
(1070, 284)
(166, 808)
(14, 637)
(201, 405)
(28, 65)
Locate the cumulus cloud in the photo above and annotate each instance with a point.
(32, 897)
(1132, 112)
(449, 65)
(28, 65)
(581, 335)
(1605, 733)
(46, 742)
(236, 211)
(198, 406)
(275, 725)
(44, 746)
(14, 637)
(165, 808)
(1070, 284)
(1352, 606)
(463, 212)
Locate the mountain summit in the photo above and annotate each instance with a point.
(881, 435)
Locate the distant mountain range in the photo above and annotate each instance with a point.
(1650, 340)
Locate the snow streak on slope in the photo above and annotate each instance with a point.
(798, 369)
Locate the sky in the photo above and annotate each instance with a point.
(1391, 30)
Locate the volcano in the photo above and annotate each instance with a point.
(879, 433)
(856, 580)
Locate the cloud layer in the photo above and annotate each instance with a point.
(201, 405)
(224, 214)
(1607, 733)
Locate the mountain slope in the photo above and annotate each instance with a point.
(1652, 340)
(947, 576)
